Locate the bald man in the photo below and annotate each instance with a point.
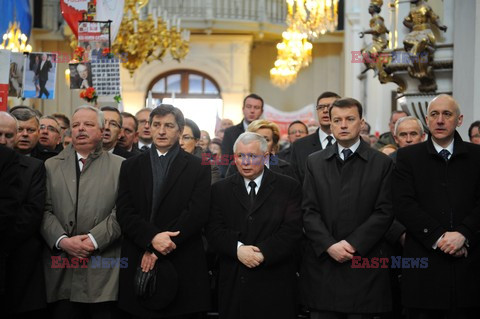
(436, 197)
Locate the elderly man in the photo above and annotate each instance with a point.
(436, 197)
(144, 133)
(25, 282)
(255, 226)
(163, 204)
(252, 110)
(26, 142)
(129, 134)
(111, 133)
(347, 210)
(388, 137)
(79, 224)
(49, 133)
(408, 131)
(84, 79)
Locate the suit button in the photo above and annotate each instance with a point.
(425, 230)
(71, 223)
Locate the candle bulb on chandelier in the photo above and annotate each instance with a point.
(135, 26)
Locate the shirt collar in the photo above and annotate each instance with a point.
(140, 145)
(438, 148)
(323, 137)
(245, 125)
(352, 148)
(257, 181)
(161, 154)
(80, 156)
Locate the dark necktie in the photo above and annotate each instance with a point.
(83, 160)
(444, 154)
(145, 148)
(346, 153)
(252, 194)
(330, 139)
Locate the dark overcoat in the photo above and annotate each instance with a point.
(183, 206)
(274, 225)
(301, 149)
(349, 201)
(431, 197)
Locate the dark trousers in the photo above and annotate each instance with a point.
(43, 89)
(459, 313)
(337, 315)
(65, 309)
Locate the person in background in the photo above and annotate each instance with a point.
(128, 137)
(63, 121)
(296, 130)
(388, 149)
(204, 141)
(474, 132)
(144, 133)
(216, 148)
(387, 137)
(50, 133)
(67, 138)
(224, 124)
(111, 132)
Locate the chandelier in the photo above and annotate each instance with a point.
(306, 20)
(14, 40)
(147, 40)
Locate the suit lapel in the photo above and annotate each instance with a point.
(266, 188)
(146, 174)
(240, 191)
(176, 168)
(69, 171)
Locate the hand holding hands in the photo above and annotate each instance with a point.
(148, 261)
(250, 256)
(341, 251)
(79, 246)
(162, 242)
(451, 242)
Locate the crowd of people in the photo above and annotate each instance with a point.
(106, 214)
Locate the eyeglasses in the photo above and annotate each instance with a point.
(28, 129)
(187, 138)
(297, 131)
(48, 127)
(475, 136)
(323, 106)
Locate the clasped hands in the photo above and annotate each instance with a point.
(453, 243)
(161, 243)
(79, 246)
(341, 251)
(250, 256)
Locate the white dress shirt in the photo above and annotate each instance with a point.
(352, 148)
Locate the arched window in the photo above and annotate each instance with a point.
(184, 84)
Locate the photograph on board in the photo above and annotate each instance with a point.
(39, 75)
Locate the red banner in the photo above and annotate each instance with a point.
(3, 97)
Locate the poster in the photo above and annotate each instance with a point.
(106, 76)
(80, 75)
(4, 72)
(283, 119)
(15, 75)
(40, 75)
(94, 37)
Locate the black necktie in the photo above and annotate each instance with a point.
(444, 154)
(330, 139)
(252, 194)
(145, 148)
(346, 153)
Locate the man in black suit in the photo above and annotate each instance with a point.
(255, 226)
(347, 210)
(296, 130)
(252, 110)
(129, 136)
(111, 132)
(317, 141)
(42, 73)
(25, 281)
(436, 197)
(162, 206)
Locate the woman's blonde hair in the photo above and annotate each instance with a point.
(258, 124)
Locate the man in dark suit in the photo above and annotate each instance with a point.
(112, 130)
(317, 141)
(25, 281)
(162, 206)
(42, 73)
(129, 136)
(296, 130)
(255, 226)
(347, 210)
(252, 110)
(436, 197)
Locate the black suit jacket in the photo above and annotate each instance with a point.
(274, 225)
(25, 270)
(123, 153)
(229, 138)
(183, 206)
(43, 72)
(10, 204)
(431, 197)
(301, 149)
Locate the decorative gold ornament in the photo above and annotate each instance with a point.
(147, 40)
(313, 17)
(14, 40)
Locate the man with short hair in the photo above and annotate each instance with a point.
(25, 281)
(111, 132)
(474, 132)
(255, 225)
(347, 210)
(388, 137)
(144, 133)
(408, 131)
(296, 130)
(63, 121)
(163, 204)
(436, 197)
(129, 134)
(252, 110)
(321, 139)
(67, 138)
(49, 133)
(80, 223)
(26, 142)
